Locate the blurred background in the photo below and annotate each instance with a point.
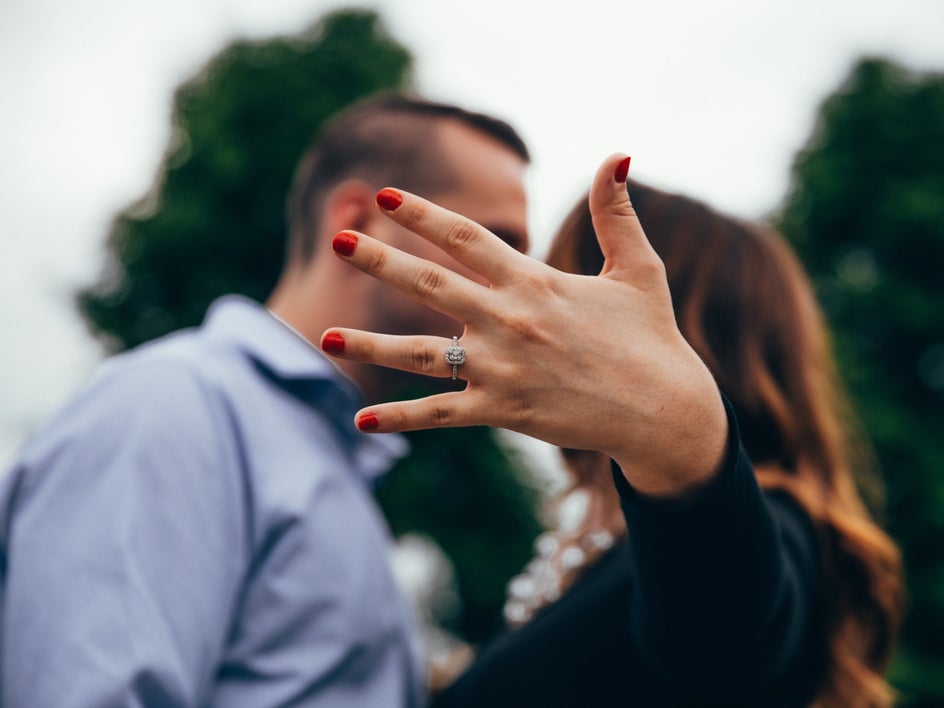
(145, 149)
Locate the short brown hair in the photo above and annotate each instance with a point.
(388, 138)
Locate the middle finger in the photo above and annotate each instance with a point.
(469, 243)
(435, 286)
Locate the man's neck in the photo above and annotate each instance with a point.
(309, 304)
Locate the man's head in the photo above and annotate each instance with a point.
(467, 162)
(389, 139)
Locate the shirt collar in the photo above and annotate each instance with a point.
(288, 356)
(269, 341)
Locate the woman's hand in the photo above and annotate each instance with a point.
(590, 362)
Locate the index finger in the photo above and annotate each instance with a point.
(469, 243)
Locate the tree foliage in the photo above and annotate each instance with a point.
(866, 214)
(214, 223)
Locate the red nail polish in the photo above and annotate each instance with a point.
(389, 199)
(622, 170)
(344, 243)
(333, 343)
(368, 421)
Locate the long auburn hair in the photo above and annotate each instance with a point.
(745, 305)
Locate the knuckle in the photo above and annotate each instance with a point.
(376, 260)
(413, 215)
(441, 416)
(522, 411)
(365, 350)
(652, 268)
(526, 329)
(622, 209)
(427, 281)
(515, 411)
(544, 285)
(460, 235)
(421, 359)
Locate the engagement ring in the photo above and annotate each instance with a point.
(455, 356)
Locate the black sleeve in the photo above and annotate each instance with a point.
(723, 582)
(710, 602)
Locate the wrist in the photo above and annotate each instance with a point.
(687, 447)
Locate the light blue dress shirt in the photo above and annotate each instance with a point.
(196, 529)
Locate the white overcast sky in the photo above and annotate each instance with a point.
(711, 97)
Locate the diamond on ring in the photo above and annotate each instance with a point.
(455, 356)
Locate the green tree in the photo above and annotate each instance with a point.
(866, 214)
(214, 223)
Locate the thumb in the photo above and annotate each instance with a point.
(619, 233)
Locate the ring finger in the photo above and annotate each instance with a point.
(416, 353)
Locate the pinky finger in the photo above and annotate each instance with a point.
(444, 410)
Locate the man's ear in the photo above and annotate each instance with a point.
(350, 205)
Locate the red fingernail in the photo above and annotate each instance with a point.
(333, 343)
(344, 243)
(368, 421)
(622, 169)
(389, 199)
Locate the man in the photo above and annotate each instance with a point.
(196, 527)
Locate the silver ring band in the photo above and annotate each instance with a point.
(455, 356)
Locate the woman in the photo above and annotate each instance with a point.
(721, 594)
